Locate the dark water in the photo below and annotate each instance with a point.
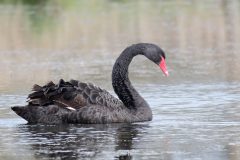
(196, 109)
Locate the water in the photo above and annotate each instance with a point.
(195, 110)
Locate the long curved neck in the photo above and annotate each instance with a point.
(121, 83)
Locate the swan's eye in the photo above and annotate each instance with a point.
(163, 66)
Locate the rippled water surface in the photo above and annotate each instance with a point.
(196, 109)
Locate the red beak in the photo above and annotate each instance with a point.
(163, 66)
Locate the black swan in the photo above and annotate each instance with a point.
(78, 102)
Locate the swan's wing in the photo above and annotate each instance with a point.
(71, 95)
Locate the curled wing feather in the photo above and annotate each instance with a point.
(71, 95)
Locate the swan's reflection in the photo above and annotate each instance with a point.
(82, 141)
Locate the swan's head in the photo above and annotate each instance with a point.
(156, 55)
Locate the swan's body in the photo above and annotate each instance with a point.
(78, 102)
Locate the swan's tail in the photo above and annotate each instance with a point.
(51, 114)
(22, 111)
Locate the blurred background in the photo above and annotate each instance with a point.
(195, 109)
(44, 40)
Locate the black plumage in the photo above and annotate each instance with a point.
(79, 102)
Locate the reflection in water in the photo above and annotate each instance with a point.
(125, 157)
(125, 137)
(81, 141)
